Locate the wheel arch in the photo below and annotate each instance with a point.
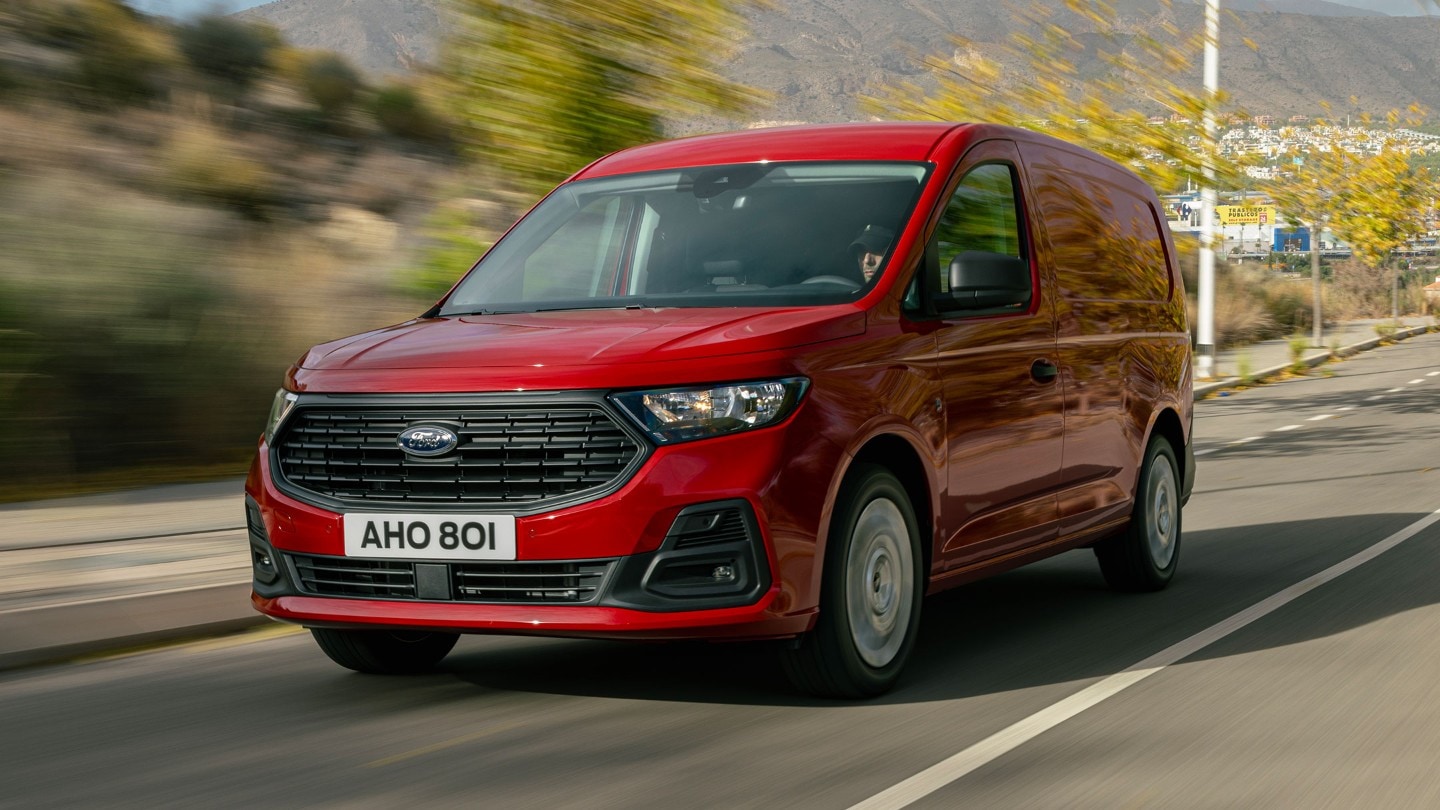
(897, 455)
(1167, 425)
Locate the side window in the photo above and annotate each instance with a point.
(983, 215)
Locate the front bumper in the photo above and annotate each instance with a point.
(652, 578)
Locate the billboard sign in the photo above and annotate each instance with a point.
(1245, 214)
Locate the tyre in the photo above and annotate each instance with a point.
(384, 652)
(1144, 556)
(869, 596)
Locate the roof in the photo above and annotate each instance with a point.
(906, 141)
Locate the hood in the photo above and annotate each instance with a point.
(583, 338)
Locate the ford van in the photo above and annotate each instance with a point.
(769, 385)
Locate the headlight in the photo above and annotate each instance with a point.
(682, 414)
(279, 409)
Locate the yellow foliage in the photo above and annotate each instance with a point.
(543, 87)
(1110, 113)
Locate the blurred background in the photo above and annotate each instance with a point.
(189, 199)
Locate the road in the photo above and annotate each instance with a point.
(1024, 690)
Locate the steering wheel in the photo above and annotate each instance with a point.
(850, 283)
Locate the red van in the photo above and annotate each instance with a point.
(774, 384)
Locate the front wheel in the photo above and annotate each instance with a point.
(1144, 556)
(384, 652)
(870, 594)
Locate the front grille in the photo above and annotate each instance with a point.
(510, 456)
(489, 582)
(528, 582)
(344, 576)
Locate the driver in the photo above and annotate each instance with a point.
(869, 248)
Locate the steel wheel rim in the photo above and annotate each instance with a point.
(879, 582)
(1164, 519)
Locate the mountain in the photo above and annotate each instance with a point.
(818, 56)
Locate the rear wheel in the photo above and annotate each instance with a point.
(384, 652)
(870, 595)
(1144, 556)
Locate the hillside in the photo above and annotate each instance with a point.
(818, 56)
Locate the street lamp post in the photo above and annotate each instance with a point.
(1205, 330)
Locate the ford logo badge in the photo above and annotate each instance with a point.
(427, 440)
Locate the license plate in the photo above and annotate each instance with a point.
(430, 537)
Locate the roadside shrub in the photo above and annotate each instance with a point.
(329, 81)
(1298, 346)
(1287, 303)
(199, 161)
(1358, 291)
(400, 111)
(57, 23)
(1240, 315)
(114, 326)
(227, 49)
(121, 57)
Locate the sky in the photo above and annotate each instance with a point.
(189, 8)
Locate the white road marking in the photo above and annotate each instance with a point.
(1321, 416)
(1347, 408)
(1247, 440)
(1006, 740)
(1205, 452)
(1394, 390)
(1416, 381)
(1377, 396)
(1287, 427)
(1432, 374)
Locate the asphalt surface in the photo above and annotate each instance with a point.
(1296, 683)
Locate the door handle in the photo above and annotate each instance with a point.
(1044, 371)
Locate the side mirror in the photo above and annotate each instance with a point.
(983, 280)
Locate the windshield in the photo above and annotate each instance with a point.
(753, 234)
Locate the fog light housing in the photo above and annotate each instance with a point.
(688, 576)
(264, 562)
(262, 565)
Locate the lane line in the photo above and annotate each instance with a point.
(1377, 396)
(1394, 390)
(1321, 416)
(1287, 427)
(1002, 742)
(1416, 381)
(1347, 408)
(1206, 452)
(1432, 374)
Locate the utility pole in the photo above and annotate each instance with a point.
(1317, 332)
(1205, 329)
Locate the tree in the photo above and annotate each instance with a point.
(1383, 201)
(328, 80)
(543, 87)
(1036, 81)
(1307, 194)
(232, 50)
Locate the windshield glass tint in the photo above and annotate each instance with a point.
(743, 235)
